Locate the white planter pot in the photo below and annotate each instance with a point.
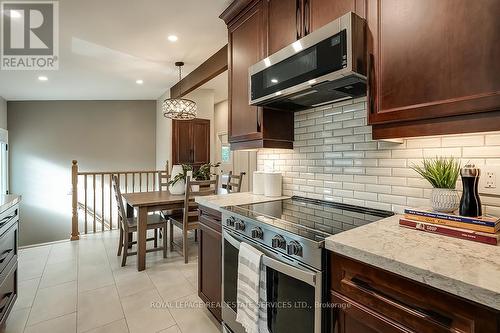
(180, 186)
(445, 200)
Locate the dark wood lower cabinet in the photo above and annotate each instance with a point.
(368, 299)
(210, 260)
(9, 229)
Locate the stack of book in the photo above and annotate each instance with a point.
(484, 229)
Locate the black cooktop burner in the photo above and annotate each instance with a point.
(313, 219)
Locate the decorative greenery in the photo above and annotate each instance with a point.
(441, 172)
(181, 176)
(203, 173)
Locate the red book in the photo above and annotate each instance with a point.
(475, 236)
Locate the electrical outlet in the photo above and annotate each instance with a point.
(488, 180)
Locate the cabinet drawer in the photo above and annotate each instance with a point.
(8, 246)
(8, 290)
(210, 218)
(8, 217)
(411, 304)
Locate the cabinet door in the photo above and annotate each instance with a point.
(201, 141)
(210, 267)
(322, 12)
(284, 23)
(433, 59)
(351, 317)
(181, 142)
(246, 47)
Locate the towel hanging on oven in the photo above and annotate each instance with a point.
(251, 290)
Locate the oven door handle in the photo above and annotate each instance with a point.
(308, 277)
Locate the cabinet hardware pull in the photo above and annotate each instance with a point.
(298, 19)
(306, 18)
(5, 254)
(5, 301)
(430, 314)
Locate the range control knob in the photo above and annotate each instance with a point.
(278, 242)
(294, 248)
(239, 225)
(257, 233)
(230, 221)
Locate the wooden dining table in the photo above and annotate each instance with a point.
(145, 202)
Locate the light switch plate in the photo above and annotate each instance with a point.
(489, 182)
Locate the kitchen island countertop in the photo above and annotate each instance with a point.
(463, 268)
(231, 199)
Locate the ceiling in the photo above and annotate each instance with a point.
(105, 46)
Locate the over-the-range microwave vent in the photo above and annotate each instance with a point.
(325, 66)
(320, 94)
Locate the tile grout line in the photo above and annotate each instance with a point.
(37, 289)
(116, 287)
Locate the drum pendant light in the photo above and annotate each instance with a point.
(179, 108)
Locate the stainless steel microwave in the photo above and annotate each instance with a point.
(325, 66)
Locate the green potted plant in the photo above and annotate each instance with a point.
(442, 173)
(205, 171)
(177, 184)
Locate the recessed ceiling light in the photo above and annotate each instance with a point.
(43, 78)
(173, 38)
(139, 81)
(274, 80)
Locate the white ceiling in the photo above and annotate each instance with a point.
(106, 45)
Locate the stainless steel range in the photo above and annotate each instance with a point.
(291, 234)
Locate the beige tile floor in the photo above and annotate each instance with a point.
(81, 287)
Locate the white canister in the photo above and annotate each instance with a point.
(272, 184)
(258, 182)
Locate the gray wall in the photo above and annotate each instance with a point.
(44, 137)
(3, 113)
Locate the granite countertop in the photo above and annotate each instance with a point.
(463, 268)
(242, 198)
(8, 200)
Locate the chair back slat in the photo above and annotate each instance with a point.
(234, 182)
(163, 179)
(191, 206)
(122, 215)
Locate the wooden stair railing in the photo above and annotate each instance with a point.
(96, 196)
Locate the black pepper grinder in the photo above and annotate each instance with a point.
(470, 204)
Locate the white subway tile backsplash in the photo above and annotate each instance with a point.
(493, 140)
(462, 141)
(491, 151)
(335, 159)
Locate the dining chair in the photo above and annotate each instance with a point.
(189, 219)
(234, 182)
(129, 225)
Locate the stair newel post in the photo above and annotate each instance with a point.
(75, 235)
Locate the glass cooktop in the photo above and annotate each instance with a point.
(313, 219)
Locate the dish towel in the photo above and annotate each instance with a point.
(251, 290)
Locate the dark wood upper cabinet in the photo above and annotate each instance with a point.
(191, 142)
(284, 23)
(248, 28)
(430, 60)
(246, 47)
(324, 11)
